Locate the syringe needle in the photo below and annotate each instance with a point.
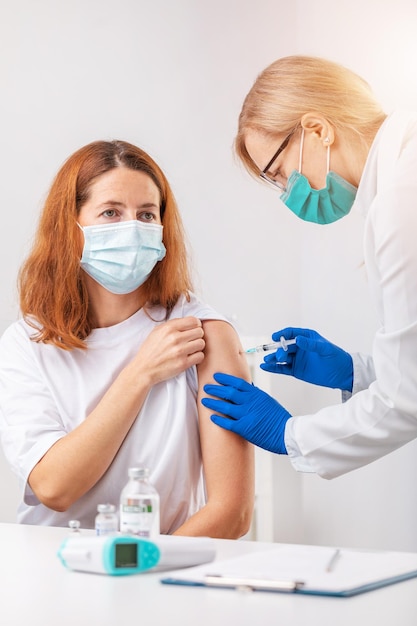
(267, 347)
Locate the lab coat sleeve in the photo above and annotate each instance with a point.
(29, 420)
(382, 417)
(363, 374)
(299, 463)
(363, 371)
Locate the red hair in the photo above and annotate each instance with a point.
(53, 295)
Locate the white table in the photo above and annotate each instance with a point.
(36, 590)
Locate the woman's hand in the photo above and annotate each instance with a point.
(171, 348)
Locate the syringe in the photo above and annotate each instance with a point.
(267, 347)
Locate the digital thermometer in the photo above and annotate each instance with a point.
(179, 551)
(115, 554)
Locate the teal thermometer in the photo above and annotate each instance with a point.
(116, 555)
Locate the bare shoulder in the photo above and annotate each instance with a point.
(219, 330)
(223, 350)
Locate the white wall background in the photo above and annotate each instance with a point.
(170, 76)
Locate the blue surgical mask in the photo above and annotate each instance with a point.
(321, 206)
(120, 257)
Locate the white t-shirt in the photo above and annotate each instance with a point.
(45, 392)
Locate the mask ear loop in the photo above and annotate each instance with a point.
(301, 150)
(327, 140)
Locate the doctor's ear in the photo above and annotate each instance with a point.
(319, 127)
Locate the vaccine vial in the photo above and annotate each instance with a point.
(74, 526)
(106, 522)
(139, 505)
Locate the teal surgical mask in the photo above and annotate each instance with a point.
(120, 257)
(321, 206)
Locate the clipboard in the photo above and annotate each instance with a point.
(312, 570)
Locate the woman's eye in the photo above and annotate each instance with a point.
(109, 213)
(146, 217)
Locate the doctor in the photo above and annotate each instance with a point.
(314, 131)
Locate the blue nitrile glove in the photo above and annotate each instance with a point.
(251, 413)
(312, 359)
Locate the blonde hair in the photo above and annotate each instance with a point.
(295, 85)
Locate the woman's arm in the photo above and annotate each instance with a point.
(228, 460)
(74, 464)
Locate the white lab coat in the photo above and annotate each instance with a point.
(381, 414)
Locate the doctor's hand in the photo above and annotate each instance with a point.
(312, 359)
(251, 413)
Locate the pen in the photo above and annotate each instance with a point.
(333, 560)
(214, 580)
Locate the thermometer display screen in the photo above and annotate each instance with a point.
(126, 555)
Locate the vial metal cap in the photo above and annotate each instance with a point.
(106, 508)
(138, 472)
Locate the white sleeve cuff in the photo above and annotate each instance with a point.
(299, 463)
(363, 372)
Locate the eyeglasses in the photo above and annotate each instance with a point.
(264, 175)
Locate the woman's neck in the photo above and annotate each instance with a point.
(108, 309)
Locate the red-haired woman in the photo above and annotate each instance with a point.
(105, 368)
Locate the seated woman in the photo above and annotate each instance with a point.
(107, 365)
